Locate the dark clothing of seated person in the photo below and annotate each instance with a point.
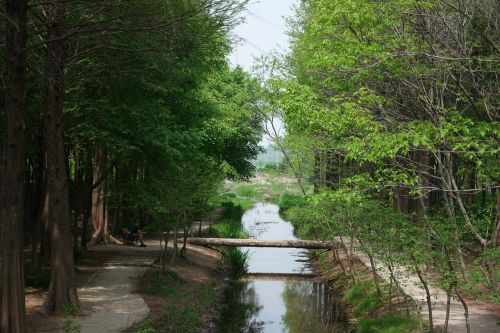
(138, 231)
(129, 238)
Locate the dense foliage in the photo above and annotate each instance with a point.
(391, 109)
(132, 115)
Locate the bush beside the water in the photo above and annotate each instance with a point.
(368, 304)
(231, 210)
(288, 201)
(248, 191)
(230, 227)
(228, 199)
(183, 313)
(387, 324)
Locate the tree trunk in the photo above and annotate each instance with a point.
(78, 196)
(373, 266)
(176, 245)
(399, 288)
(38, 210)
(163, 254)
(350, 260)
(427, 292)
(317, 172)
(62, 289)
(403, 198)
(456, 241)
(471, 185)
(422, 157)
(466, 310)
(13, 316)
(450, 206)
(87, 204)
(184, 240)
(448, 305)
(45, 224)
(99, 214)
(303, 244)
(495, 233)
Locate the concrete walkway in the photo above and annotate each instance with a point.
(481, 320)
(108, 299)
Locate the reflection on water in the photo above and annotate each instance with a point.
(311, 307)
(264, 222)
(277, 305)
(241, 304)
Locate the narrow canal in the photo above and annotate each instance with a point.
(280, 293)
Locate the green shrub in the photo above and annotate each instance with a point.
(164, 289)
(232, 210)
(367, 304)
(192, 316)
(228, 228)
(287, 201)
(387, 324)
(164, 284)
(356, 293)
(168, 277)
(235, 258)
(209, 296)
(248, 191)
(147, 327)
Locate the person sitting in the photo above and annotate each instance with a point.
(129, 237)
(138, 230)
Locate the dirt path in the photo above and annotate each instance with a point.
(483, 318)
(108, 297)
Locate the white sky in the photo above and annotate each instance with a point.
(263, 31)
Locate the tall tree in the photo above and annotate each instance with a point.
(62, 289)
(13, 317)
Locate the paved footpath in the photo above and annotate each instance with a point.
(108, 298)
(481, 320)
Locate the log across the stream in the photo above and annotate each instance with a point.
(248, 242)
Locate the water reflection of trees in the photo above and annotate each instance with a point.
(240, 307)
(311, 308)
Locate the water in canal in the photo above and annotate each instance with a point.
(280, 293)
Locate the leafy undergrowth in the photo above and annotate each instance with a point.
(165, 283)
(477, 285)
(363, 297)
(269, 192)
(387, 324)
(367, 312)
(184, 306)
(289, 200)
(373, 315)
(227, 199)
(230, 227)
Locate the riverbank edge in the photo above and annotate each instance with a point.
(219, 277)
(364, 311)
(194, 292)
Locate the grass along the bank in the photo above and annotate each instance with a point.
(230, 227)
(184, 309)
(231, 198)
(268, 192)
(368, 312)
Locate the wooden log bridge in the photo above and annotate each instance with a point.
(248, 242)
